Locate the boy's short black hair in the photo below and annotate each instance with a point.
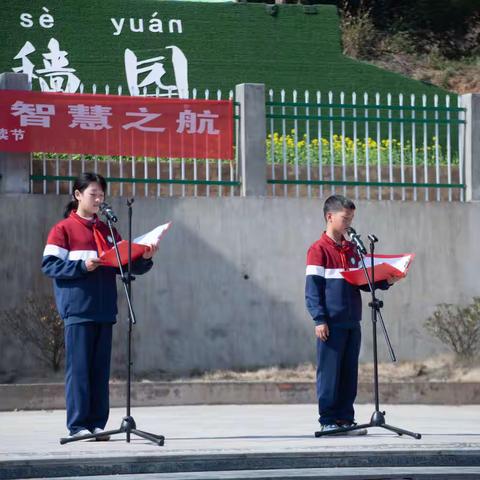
(336, 203)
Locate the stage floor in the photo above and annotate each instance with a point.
(239, 437)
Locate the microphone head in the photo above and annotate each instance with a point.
(351, 231)
(106, 209)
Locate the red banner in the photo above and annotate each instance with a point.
(115, 125)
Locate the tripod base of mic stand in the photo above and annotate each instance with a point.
(127, 426)
(377, 420)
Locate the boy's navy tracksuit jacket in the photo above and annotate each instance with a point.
(331, 300)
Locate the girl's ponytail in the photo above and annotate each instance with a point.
(71, 205)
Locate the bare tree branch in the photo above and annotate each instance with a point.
(39, 328)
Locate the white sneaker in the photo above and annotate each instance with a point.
(360, 432)
(104, 438)
(80, 433)
(331, 428)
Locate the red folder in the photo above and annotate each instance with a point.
(139, 246)
(109, 258)
(383, 268)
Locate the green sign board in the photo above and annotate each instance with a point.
(169, 48)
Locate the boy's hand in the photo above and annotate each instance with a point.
(92, 263)
(151, 251)
(322, 332)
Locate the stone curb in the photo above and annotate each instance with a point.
(128, 465)
(49, 396)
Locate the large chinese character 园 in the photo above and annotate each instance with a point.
(149, 72)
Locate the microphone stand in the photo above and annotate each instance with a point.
(128, 425)
(378, 417)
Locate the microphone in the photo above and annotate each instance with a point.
(373, 238)
(106, 210)
(355, 239)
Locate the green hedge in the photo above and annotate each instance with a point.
(225, 44)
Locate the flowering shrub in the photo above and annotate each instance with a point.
(290, 146)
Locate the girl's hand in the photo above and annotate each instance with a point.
(151, 251)
(92, 264)
(393, 280)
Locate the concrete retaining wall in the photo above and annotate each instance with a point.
(227, 287)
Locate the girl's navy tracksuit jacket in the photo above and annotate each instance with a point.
(87, 302)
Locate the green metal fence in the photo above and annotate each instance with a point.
(364, 146)
(397, 147)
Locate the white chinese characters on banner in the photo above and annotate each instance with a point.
(145, 118)
(16, 133)
(142, 74)
(96, 117)
(33, 114)
(56, 76)
(89, 118)
(197, 122)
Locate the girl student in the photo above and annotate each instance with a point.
(86, 298)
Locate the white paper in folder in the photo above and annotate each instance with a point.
(154, 236)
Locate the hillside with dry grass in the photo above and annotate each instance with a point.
(445, 54)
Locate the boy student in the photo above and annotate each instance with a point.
(336, 308)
